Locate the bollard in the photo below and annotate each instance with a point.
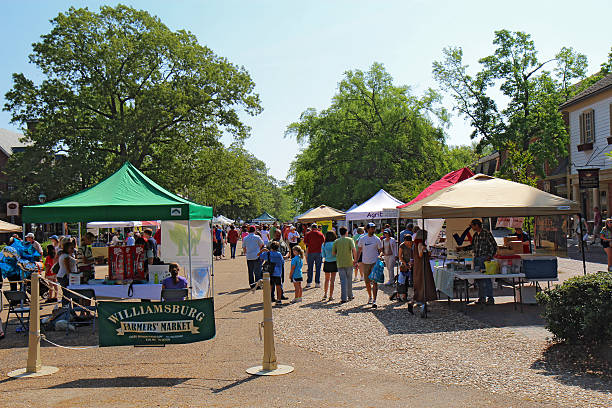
(34, 364)
(269, 365)
(34, 367)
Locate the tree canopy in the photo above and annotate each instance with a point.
(374, 135)
(530, 126)
(119, 85)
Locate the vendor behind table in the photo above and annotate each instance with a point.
(484, 247)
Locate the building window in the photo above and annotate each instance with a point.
(587, 127)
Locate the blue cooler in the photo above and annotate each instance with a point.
(539, 267)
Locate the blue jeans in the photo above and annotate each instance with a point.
(254, 270)
(233, 250)
(485, 287)
(346, 283)
(316, 260)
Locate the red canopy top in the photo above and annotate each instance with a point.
(451, 178)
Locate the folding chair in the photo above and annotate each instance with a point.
(174, 295)
(76, 306)
(16, 301)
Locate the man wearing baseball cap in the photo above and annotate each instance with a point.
(370, 246)
(35, 244)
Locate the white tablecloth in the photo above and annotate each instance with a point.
(141, 291)
(444, 279)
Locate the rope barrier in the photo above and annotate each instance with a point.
(72, 302)
(46, 281)
(43, 337)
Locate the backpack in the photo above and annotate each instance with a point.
(268, 266)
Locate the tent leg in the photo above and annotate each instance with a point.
(189, 252)
(79, 243)
(424, 278)
(23, 231)
(581, 243)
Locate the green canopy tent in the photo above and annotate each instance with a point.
(126, 195)
(264, 218)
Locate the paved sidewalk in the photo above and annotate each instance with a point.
(212, 373)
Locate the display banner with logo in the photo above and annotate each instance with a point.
(175, 248)
(155, 323)
(325, 226)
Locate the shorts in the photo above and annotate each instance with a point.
(297, 279)
(366, 268)
(330, 267)
(275, 281)
(605, 244)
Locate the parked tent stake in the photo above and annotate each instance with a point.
(34, 367)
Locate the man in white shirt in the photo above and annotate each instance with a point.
(370, 246)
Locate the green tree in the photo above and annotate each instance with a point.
(374, 135)
(120, 85)
(530, 123)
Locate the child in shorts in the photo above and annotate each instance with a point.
(296, 272)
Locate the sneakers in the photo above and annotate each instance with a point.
(351, 297)
(490, 301)
(369, 301)
(374, 305)
(324, 298)
(480, 301)
(308, 285)
(318, 285)
(330, 299)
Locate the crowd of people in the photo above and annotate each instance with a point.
(337, 253)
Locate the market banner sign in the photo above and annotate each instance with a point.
(325, 225)
(155, 323)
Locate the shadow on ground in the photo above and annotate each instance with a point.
(121, 382)
(575, 365)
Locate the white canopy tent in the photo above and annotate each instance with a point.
(381, 205)
(222, 220)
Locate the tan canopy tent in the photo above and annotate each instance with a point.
(486, 196)
(322, 213)
(8, 227)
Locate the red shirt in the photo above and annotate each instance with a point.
(232, 236)
(314, 241)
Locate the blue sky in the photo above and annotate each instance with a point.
(296, 52)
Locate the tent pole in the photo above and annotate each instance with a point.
(581, 243)
(189, 252)
(79, 244)
(424, 279)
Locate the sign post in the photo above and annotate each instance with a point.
(269, 364)
(34, 367)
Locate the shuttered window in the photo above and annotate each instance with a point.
(587, 126)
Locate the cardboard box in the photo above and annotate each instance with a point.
(526, 295)
(517, 246)
(116, 263)
(157, 273)
(139, 262)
